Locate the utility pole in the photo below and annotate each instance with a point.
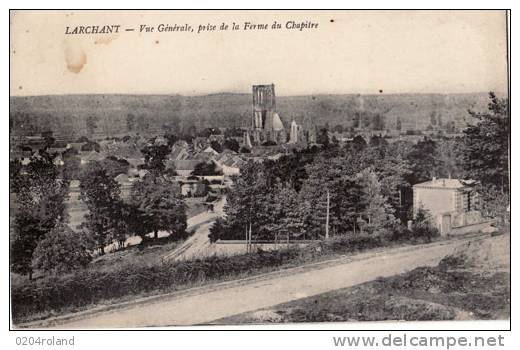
(247, 244)
(250, 235)
(327, 220)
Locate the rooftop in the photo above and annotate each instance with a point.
(447, 183)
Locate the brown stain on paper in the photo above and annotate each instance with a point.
(76, 64)
(105, 39)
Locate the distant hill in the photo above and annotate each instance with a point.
(67, 114)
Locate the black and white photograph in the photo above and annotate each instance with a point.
(222, 168)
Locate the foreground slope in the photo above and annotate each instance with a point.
(470, 284)
(208, 304)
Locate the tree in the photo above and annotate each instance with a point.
(433, 119)
(398, 125)
(23, 241)
(423, 160)
(378, 141)
(422, 226)
(358, 143)
(231, 144)
(439, 120)
(323, 137)
(171, 138)
(155, 157)
(159, 206)
(206, 169)
(207, 132)
(90, 146)
(291, 224)
(449, 157)
(216, 146)
(40, 196)
(142, 124)
(339, 128)
(392, 168)
(61, 250)
(337, 177)
(356, 119)
(233, 132)
(101, 193)
(245, 205)
(49, 140)
(217, 230)
(378, 122)
(450, 127)
(130, 122)
(91, 122)
(82, 139)
(16, 180)
(115, 166)
(378, 213)
(485, 146)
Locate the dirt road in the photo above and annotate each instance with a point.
(208, 304)
(198, 245)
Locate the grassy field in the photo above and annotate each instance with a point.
(473, 283)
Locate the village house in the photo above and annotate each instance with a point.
(450, 202)
(185, 167)
(179, 153)
(193, 188)
(92, 156)
(125, 182)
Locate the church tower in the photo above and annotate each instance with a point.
(264, 107)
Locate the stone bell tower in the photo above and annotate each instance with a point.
(264, 106)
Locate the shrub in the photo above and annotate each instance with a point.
(422, 227)
(206, 169)
(400, 233)
(424, 232)
(216, 230)
(62, 250)
(89, 286)
(351, 243)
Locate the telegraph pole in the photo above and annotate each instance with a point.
(247, 240)
(327, 220)
(250, 236)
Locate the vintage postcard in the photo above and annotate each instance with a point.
(187, 168)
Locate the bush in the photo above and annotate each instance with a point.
(216, 230)
(206, 169)
(424, 232)
(351, 243)
(85, 287)
(422, 227)
(419, 233)
(400, 233)
(62, 250)
(89, 286)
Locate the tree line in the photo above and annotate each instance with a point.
(367, 187)
(40, 236)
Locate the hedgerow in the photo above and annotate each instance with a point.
(57, 294)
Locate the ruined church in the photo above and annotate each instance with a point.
(266, 125)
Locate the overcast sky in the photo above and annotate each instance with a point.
(349, 52)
